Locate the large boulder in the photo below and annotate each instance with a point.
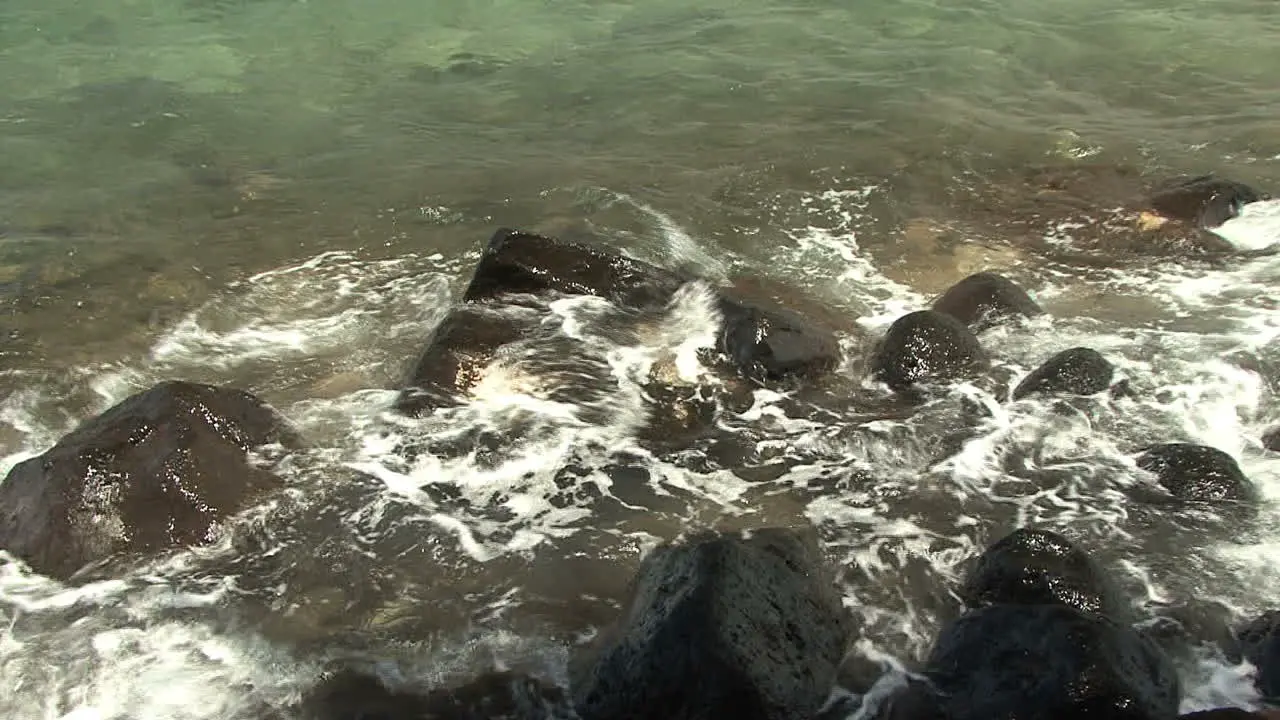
(1075, 371)
(1203, 201)
(985, 299)
(926, 346)
(162, 469)
(721, 625)
(355, 695)
(1260, 644)
(1043, 662)
(1197, 472)
(1041, 567)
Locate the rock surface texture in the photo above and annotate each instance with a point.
(160, 470)
(729, 625)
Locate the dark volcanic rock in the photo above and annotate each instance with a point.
(1205, 201)
(1039, 567)
(1260, 643)
(350, 695)
(773, 343)
(725, 625)
(162, 469)
(926, 346)
(761, 340)
(1038, 662)
(1197, 472)
(1076, 371)
(985, 299)
(520, 262)
(457, 353)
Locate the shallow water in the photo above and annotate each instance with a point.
(286, 195)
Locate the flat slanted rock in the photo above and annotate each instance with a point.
(521, 262)
(720, 626)
(160, 470)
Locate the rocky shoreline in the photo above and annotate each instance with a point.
(744, 624)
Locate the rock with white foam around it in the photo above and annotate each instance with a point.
(926, 346)
(162, 469)
(1075, 371)
(721, 625)
(1040, 567)
(761, 341)
(1197, 473)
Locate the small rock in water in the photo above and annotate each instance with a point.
(1076, 371)
(1049, 661)
(925, 346)
(986, 299)
(1040, 567)
(721, 625)
(159, 470)
(1204, 201)
(1197, 472)
(773, 343)
(1260, 643)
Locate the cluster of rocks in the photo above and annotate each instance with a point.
(717, 624)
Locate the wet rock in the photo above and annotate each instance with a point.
(926, 346)
(457, 354)
(1260, 644)
(161, 469)
(352, 695)
(986, 299)
(1040, 567)
(772, 343)
(1204, 201)
(1197, 472)
(520, 262)
(1076, 371)
(1049, 661)
(755, 618)
(1271, 439)
(762, 341)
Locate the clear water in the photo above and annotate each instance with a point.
(285, 195)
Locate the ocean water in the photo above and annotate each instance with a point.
(285, 195)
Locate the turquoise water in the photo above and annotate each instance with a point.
(150, 151)
(172, 173)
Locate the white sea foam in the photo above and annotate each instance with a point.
(490, 474)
